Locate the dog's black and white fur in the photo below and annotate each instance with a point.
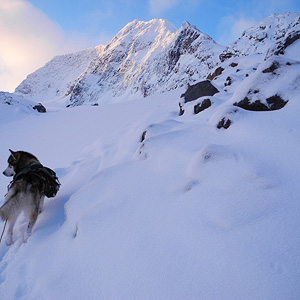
(25, 194)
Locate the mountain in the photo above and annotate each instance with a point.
(54, 79)
(269, 37)
(159, 201)
(146, 58)
(142, 59)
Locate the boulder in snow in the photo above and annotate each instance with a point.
(218, 71)
(206, 103)
(40, 108)
(200, 89)
(272, 103)
(224, 123)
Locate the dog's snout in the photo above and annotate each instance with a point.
(9, 171)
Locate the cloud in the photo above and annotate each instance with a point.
(231, 28)
(28, 40)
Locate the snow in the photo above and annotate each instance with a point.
(267, 36)
(147, 58)
(192, 212)
(14, 107)
(143, 58)
(56, 78)
(189, 211)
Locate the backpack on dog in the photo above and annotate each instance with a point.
(47, 175)
(52, 183)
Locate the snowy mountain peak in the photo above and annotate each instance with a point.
(188, 26)
(185, 24)
(139, 29)
(139, 34)
(143, 58)
(151, 57)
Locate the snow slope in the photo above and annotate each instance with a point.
(192, 212)
(12, 106)
(154, 205)
(56, 78)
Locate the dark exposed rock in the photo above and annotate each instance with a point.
(216, 73)
(253, 106)
(291, 39)
(228, 81)
(40, 108)
(206, 103)
(181, 110)
(200, 89)
(183, 44)
(225, 55)
(276, 102)
(143, 136)
(146, 90)
(272, 68)
(288, 41)
(224, 123)
(273, 103)
(233, 65)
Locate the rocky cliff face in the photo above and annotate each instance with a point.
(145, 58)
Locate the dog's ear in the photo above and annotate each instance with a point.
(13, 154)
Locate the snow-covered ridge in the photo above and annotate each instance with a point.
(267, 37)
(145, 58)
(19, 103)
(58, 75)
(142, 59)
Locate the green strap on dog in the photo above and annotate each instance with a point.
(47, 175)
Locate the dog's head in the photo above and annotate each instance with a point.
(12, 163)
(18, 161)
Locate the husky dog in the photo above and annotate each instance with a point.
(26, 193)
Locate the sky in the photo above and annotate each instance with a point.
(34, 31)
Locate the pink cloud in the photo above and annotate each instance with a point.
(29, 38)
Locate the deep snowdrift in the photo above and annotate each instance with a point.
(192, 212)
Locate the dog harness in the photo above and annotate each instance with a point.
(47, 176)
